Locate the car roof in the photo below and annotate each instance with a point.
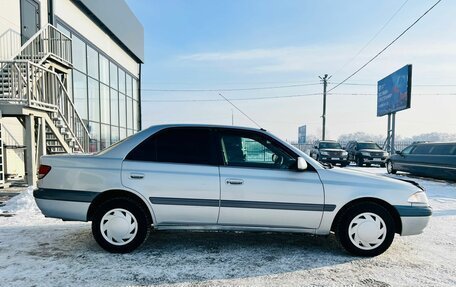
(163, 126)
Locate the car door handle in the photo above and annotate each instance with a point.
(134, 175)
(234, 181)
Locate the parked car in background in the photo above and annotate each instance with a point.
(330, 152)
(366, 153)
(206, 177)
(436, 160)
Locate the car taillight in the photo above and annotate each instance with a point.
(43, 171)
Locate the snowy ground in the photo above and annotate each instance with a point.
(35, 251)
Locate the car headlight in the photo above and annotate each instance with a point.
(418, 197)
(385, 154)
(365, 153)
(324, 153)
(344, 153)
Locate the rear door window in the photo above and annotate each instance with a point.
(443, 149)
(176, 145)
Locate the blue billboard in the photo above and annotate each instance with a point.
(394, 91)
(302, 134)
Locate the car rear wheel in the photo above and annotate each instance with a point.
(366, 229)
(120, 225)
(389, 167)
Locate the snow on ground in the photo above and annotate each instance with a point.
(36, 251)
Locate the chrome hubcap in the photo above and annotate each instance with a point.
(367, 231)
(119, 226)
(389, 167)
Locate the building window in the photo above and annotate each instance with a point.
(114, 107)
(92, 62)
(121, 81)
(79, 54)
(80, 93)
(113, 76)
(104, 70)
(105, 95)
(104, 104)
(94, 100)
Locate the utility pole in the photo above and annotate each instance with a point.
(325, 83)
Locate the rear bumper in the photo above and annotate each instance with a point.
(66, 210)
(64, 204)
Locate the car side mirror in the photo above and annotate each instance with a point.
(316, 147)
(398, 152)
(302, 163)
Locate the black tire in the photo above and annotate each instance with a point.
(359, 161)
(342, 228)
(382, 165)
(390, 167)
(343, 164)
(143, 224)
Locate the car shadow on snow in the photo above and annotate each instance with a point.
(178, 257)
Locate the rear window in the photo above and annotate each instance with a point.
(443, 149)
(423, 149)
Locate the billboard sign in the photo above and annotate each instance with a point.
(302, 134)
(394, 91)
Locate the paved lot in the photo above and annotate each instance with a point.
(35, 251)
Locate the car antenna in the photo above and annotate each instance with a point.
(220, 94)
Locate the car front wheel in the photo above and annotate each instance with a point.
(120, 225)
(366, 229)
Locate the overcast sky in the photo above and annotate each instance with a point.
(236, 44)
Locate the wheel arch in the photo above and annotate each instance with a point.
(113, 193)
(394, 213)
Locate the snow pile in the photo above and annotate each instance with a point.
(22, 203)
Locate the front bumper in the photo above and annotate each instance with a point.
(334, 160)
(372, 160)
(414, 218)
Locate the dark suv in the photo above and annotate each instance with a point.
(366, 153)
(330, 152)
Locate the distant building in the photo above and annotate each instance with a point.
(302, 130)
(70, 73)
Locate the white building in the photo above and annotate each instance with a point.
(70, 73)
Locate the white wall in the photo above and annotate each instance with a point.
(13, 134)
(74, 17)
(10, 27)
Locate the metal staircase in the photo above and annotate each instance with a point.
(33, 82)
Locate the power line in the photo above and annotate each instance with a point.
(285, 97)
(231, 89)
(235, 99)
(387, 46)
(373, 38)
(374, 85)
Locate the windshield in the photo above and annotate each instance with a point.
(368, 146)
(330, 145)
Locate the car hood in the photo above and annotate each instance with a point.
(359, 179)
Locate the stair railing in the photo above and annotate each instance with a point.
(47, 41)
(38, 87)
